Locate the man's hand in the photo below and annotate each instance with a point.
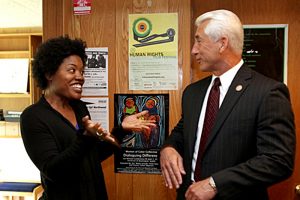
(171, 166)
(201, 190)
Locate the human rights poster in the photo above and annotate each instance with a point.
(153, 51)
(265, 49)
(140, 149)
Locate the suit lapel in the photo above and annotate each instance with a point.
(236, 89)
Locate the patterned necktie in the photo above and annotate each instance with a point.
(209, 120)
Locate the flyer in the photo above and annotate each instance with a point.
(99, 110)
(153, 51)
(140, 150)
(96, 72)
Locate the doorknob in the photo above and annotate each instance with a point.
(297, 189)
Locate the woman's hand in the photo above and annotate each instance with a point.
(95, 130)
(137, 122)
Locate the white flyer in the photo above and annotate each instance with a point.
(96, 72)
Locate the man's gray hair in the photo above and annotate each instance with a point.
(223, 23)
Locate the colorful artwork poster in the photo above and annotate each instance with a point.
(265, 50)
(140, 150)
(153, 51)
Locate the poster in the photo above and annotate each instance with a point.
(265, 50)
(99, 110)
(96, 72)
(140, 150)
(82, 7)
(153, 51)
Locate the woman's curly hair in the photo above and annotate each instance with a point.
(51, 54)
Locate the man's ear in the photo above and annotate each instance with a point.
(223, 44)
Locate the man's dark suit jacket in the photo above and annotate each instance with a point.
(252, 143)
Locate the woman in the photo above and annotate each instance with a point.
(62, 141)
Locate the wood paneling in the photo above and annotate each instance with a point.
(123, 9)
(52, 18)
(139, 186)
(107, 26)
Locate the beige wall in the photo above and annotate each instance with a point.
(107, 26)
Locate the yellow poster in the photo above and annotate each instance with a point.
(153, 51)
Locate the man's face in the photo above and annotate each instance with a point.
(205, 50)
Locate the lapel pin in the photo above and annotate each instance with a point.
(239, 88)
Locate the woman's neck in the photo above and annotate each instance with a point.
(62, 106)
(57, 101)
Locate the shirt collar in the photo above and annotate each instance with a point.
(228, 76)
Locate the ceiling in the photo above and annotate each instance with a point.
(20, 13)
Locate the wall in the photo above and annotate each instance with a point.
(107, 26)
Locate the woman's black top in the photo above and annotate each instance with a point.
(69, 162)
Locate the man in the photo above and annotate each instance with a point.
(251, 143)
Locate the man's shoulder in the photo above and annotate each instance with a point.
(202, 83)
(264, 81)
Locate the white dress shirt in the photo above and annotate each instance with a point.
(226, 80)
